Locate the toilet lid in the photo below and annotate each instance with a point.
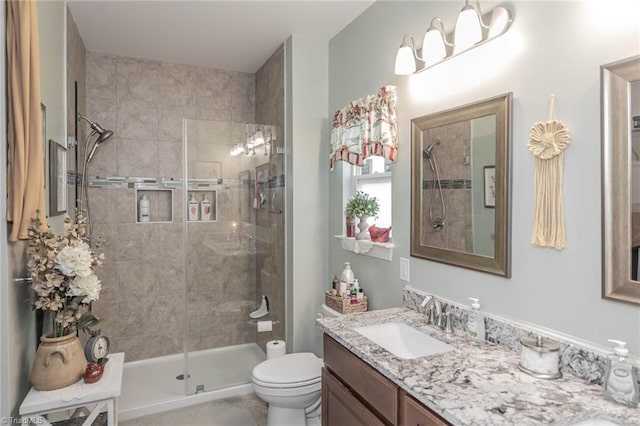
(289, 369)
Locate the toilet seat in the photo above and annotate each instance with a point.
(289, 371)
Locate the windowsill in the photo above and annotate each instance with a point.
(382, 251)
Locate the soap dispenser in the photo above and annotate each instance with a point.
(621, 380)
(475, 322)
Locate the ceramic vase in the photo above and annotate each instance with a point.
(59, 362)
(363, 226)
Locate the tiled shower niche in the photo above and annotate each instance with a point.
(160, 205)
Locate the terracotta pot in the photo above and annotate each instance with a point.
(59, 362)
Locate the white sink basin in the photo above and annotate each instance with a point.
(402, 340)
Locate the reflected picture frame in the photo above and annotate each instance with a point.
(57, 178)
(490, 187)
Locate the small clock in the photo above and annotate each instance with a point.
(97, 347)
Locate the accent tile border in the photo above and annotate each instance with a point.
(587, 363)
(448, 184)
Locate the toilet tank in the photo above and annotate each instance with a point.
(326, 311)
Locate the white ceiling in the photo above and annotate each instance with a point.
(232, 35)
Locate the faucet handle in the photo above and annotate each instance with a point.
(442, 320)
(448, 325)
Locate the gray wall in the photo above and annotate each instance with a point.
(559, 290)
(307, 128)
(76, 71)
(270, 227)
(18, 320)
(5, 406)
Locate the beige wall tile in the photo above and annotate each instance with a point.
(138, 157)
(138, 120)
(137, 80)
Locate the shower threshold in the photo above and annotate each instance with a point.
(149, 386)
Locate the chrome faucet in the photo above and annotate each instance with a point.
(434, 311)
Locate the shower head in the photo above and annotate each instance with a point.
(96, 129)
(427, 152)
(103, 134)
(106, 134)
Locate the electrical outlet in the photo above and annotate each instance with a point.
(404, 269)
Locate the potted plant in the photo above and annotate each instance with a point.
(362, 206)
(62, 269)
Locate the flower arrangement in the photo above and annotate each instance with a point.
(362, 204)
(62, 269)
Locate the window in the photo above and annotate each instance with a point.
(374, 178)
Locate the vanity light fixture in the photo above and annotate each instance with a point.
(471, 31)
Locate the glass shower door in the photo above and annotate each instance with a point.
(220, 245)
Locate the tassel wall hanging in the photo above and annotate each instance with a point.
(547, 142)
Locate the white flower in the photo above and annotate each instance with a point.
(75, 261)
(88, 286)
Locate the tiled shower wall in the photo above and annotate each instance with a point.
(142, 303)
(270, 226)
(455, 176)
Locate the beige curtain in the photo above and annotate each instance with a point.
(25, 156)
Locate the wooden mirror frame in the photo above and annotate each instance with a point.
(616, 175)
(500, 264)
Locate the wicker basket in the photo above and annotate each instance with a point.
(344, 306)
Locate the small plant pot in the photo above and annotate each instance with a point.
(363, 226)
(351, 227)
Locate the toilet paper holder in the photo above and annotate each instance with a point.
(255, 322)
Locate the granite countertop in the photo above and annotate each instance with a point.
(476, 385)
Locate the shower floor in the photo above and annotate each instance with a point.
(150, 386)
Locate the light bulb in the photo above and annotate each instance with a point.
(258, 139)
(468, 29)
(405, 61)
(433, 48)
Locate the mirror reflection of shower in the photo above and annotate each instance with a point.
(439, 221)
(90, 151)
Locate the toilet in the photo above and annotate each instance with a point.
(292, 386)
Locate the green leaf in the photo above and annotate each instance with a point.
(86, 321)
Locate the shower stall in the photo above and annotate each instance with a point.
(187, 276)
(178, 284)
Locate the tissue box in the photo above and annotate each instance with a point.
(344, 306)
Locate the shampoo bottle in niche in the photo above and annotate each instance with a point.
(143, 209)
(205, 208)
(475, 322)
(193, 208)
(621, 380)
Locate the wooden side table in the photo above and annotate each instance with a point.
(104, 392)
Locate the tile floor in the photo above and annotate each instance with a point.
(245, 410)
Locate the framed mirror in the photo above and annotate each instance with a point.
(460, 180)
(620, 108)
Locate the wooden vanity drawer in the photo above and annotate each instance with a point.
(378, 391)
(341, 408)
(413, 413)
